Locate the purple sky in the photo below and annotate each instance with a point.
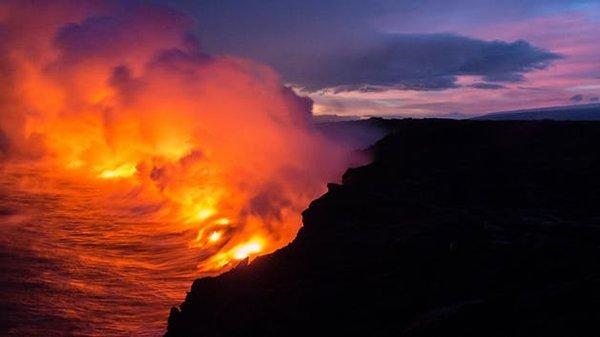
(426, 58)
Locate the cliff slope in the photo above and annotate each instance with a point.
(458, 228)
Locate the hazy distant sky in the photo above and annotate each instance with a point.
(423, 58)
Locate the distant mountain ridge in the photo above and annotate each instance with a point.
(580, 112)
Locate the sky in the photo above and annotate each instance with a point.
(414, 58)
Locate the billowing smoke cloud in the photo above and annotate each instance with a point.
(122, 91)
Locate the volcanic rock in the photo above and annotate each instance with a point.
(457, 228)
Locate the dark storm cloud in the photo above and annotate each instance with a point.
(488, 86)
(345, 44)
(426, 62)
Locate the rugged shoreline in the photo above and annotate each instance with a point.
(463, 228)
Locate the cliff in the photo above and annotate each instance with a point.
(457, 228)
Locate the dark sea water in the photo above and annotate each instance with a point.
(76, 263)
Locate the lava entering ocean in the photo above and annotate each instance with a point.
(122, 96)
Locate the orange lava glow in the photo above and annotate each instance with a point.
(127, 100)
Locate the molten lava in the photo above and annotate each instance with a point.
(123, 97)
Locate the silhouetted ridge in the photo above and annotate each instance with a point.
(458, 228)
(580, 112)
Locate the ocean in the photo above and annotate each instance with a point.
(75, 260)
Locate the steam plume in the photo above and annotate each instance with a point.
(122, 92)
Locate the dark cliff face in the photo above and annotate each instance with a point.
(458, 228)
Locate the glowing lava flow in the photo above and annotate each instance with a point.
(122, 95)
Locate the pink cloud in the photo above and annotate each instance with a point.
(575, 35)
